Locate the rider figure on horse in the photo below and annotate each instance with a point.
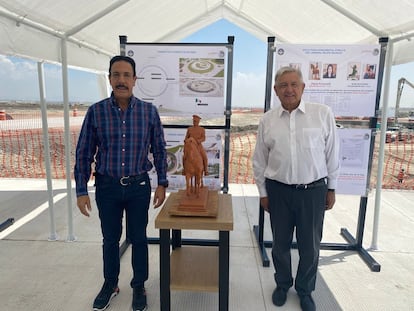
(199, 134)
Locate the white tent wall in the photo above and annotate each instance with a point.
(404, 50)
(103, 85)
(30, 40)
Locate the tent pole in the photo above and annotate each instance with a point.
(380, 170)
(68, 144)
(52, 235)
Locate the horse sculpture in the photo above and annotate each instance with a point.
(193, 167)
(315, 71)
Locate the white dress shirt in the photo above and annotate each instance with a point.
(298, 147)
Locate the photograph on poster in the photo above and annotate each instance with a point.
(370, 71)
(315, 70)
(202, 77)
(213, 146)
(354, 71)
(181, 79)
(329, 71)
(295, 65)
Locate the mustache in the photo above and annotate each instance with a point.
(121, 86)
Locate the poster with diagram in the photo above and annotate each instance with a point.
(354, 159)
(343, 77)
(213, 145)
(181, 79)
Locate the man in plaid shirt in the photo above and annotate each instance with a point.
(117, 135)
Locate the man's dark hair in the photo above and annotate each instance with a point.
(119, 58)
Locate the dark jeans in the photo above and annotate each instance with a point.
(305, 210)
(112, 199)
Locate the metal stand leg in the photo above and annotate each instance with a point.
(224, 256)
(258, 230)
(354, 244)
(165, 294)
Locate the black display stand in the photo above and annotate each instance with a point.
(7, 223)
(353, 243)
(226, 127)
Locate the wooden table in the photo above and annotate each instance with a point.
(196, 268)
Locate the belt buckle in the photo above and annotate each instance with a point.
(302, 186)
(121, 181)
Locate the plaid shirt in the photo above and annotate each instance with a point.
(119, 142)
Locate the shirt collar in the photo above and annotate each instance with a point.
(132, 101)
(301, 107)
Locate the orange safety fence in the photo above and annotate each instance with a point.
(22, 156)
(399, 157)
(22, 153)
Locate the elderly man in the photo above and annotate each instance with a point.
(296, 166)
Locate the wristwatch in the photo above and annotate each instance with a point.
(164, 184)
(331, 190)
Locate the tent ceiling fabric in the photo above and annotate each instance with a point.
(35, 28)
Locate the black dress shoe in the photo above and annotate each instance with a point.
(307, 303)
(279, 296)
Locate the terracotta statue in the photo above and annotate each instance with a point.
(193, 166)
(195, 157)
(199, 134)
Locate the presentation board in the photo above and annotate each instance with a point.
(181, 80)
(343, 77)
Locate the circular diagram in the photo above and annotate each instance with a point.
(152, 80)
(171, 162)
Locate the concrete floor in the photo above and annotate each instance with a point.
(37, 274)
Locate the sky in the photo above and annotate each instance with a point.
(18, 77)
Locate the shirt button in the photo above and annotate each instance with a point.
(123, 150)
(123, 135)
(122, 164)
(123, 122)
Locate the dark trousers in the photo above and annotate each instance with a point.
(112, 199)
(303, 209)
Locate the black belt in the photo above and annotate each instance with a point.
(316, 183)
(125, 180)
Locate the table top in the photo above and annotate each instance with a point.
(223, 221)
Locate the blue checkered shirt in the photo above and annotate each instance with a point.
(119, 142)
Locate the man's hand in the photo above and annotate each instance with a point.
(330, 200)
(159, 196)
(84, 204)
(264, 202)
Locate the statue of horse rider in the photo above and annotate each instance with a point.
(199, 134)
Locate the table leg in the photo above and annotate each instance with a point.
(175, 238)
(224, 255)
(165, 293)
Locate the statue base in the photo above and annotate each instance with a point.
(205, 205)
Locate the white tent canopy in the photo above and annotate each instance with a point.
(35, 28)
